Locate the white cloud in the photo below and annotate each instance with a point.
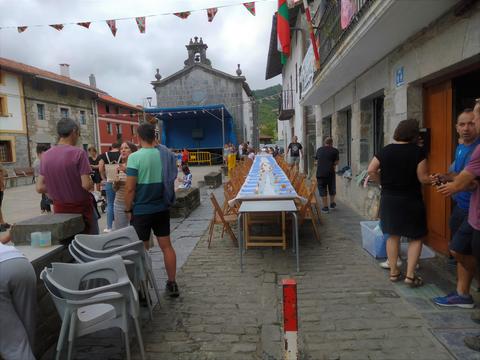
(125, 65)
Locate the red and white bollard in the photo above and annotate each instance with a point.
(290, 319)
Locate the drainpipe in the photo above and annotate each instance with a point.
(96, 127)
(26, 124)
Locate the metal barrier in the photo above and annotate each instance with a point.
(200, 157)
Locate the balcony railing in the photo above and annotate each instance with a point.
(330, 33)
(286, 107)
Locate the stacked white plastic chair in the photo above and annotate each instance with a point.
(124, 242)
(85, 310)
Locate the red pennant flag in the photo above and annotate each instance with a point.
(112, 26)
(84, 24)
(21, 29)
(211, 13)
(250, 7)
(141, 24)
(182, 15)
(58, 27)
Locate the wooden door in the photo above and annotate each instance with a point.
(438, 118)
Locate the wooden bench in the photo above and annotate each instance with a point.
(12, 175)
(25, 172)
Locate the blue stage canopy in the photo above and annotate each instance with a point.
(195, 127)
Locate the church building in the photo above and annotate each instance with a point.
(199, 84)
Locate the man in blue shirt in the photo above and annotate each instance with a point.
(461, 244)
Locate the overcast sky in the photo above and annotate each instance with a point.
(124, 65)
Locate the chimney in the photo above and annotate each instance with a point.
(65, 70)
(93, 82)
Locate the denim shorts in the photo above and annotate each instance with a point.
(462, 232)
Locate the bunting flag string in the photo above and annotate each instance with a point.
(58, 27)
(141, 24)
(84, 24)
(250, 7)
(183, 15)
(211, 13)
(113, 27)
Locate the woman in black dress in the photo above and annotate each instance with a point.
(401, 169)
(94, 159)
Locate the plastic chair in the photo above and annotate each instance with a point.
(124, 242)
(93, 309)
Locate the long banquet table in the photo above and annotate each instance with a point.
(266, 189)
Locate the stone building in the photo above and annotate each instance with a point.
(47, 98)
(388, 61)
(198, 83)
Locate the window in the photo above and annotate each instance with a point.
(371, 128)
(119, 129)
(83, 118)
(40, 112)
(109, 128)
(117, 110)
(344, 131)
(3, 106)
(37, 84)
(132, 130)
(6, 151)
(107, 108)
(131, 114)
(81, 95)
(64, 113)
(326, 128)
(62, 90)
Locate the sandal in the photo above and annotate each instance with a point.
(414, 282)
(395, 277)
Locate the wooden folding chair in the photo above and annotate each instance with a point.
(306, 211)
(219, 218)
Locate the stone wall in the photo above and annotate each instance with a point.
(48, 94)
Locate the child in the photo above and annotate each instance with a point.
(187, 178)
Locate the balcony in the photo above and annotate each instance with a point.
(375, 30)
(286, 107)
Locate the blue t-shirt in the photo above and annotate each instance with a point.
(462, 157)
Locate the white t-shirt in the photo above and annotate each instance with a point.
(8, 252)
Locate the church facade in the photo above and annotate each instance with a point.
(198, 84)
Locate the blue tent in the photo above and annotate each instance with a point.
(195, 127)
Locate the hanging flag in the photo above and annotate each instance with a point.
(283, 31)
(141, 24)
(348, 9)
(58, 27)
(21, 29)
(211, 13)
(312, 34)
(113, 27)
(182, 15)
(84, 24)
(250, 7)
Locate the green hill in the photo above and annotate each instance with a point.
(268, 109)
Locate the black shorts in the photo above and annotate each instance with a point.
(1, 198)
(462, 232)
(325, 183)
(158, 222)
(476, 244)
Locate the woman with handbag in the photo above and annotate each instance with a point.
(110, 157)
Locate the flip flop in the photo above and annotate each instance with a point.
(414, 282)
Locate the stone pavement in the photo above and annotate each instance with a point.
(347, 307)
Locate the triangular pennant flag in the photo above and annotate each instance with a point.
(141, 24)
(182, 15)
(84, 24)
(112, 26)
(21, 29)
(250, 7)
(211, 13)
(58, 27)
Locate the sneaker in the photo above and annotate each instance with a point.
(172, 289)
(472, 342)
(107, 230)
(7, 225)
(454, 299)
(333, 205)
(386, 264)
(325, 210)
